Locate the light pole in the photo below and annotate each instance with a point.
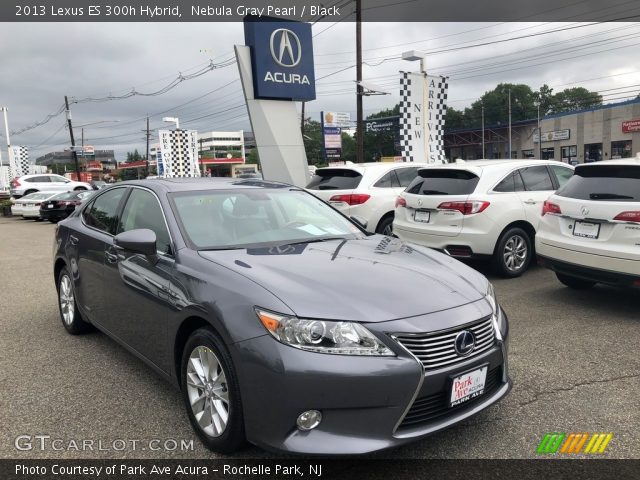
(413, 55)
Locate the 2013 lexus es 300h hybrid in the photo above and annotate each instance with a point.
(282, 321)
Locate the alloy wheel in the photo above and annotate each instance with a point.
(207, 391)
(515, 253)
(67, 300)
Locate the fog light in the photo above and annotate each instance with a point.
(309, 420)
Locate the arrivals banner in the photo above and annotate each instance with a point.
(178, 153)
(18, 161)
(423, 106)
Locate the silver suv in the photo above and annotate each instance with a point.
(27, 184)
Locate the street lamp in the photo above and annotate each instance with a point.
(172, 120)
(413, 55)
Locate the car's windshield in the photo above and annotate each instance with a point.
(226, 219)
(66, 196)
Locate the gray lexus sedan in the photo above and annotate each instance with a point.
(282, 322)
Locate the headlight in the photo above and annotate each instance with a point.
(322, 336)
(499, 321)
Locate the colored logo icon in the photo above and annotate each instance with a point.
(573, 443)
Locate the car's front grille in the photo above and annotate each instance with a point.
(427, 409)
(437, 350)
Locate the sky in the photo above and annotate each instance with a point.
(41, 63)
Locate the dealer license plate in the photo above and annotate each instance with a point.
(586, 229)
(50, 206)
(422, 216)
(467, 386)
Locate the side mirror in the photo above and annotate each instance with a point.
(141, 241)
(361, 222)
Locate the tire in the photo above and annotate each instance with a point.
(221, 394)
(574, 282)
(385, 227)
(67, 305)
(29, 192)
(513, 253)
(53, 220)
(79, 189)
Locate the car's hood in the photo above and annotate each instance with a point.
(370, 280)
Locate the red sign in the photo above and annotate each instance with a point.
(214, 161)
(631, 126)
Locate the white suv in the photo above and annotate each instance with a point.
(590, 229)
(365, 190)
(485, 208)
(44, 182)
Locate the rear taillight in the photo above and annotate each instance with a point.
(15, 183)
(548, 207)
(400, 202)
(633, 216)
(465, 208)
(352, 199)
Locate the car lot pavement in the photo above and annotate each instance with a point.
(573, 358)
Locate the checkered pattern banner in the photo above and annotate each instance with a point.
(178, 153)
(18, 161)
(423, 106)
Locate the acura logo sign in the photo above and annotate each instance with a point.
(465, 343)
(286, 49)
(585, 211)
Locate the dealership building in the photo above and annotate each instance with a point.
(599, 133)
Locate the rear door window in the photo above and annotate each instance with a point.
(443, 182)
(406, 175)
(536, 179)
(389, 180)
(618, 183)
(562, 174)
(335, 179)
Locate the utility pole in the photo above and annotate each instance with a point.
(148, 135)
(509, 123)
(539, 135)
(302, 119)
(483, 130)
(5, 110)
(73, 142)
(360, 89)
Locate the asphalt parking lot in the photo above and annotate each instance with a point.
(573, 359)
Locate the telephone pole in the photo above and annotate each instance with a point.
(360, 89)
(509, 123)
(302, 119)
(73, 142)
(148, 135)
(483, 131)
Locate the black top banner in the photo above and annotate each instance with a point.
(317, 10)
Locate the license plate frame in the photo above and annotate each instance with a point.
(587, 229)
(479, 375)
(422, 216)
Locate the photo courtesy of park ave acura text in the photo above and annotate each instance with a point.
(338, 238)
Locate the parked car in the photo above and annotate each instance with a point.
(27, 184)
(590, 228)
(282, 322)
(482, 209)
(61, 205)
(98, 184)
(365, 190)
(29, 205)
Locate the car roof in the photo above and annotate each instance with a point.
(374, 165)
(477, 166)
(203, 183)
(621, 161)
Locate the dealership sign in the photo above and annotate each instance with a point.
(336, 119)
(378, 125)
(631, 126)
(281, 58)
(332, 142)
(553, 136)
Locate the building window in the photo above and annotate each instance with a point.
(569, 154)
(621, 149)
(527, 153)
(592, 152)
(548, 153)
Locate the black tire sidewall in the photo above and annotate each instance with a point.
(383, 224)
(498, 257)
(233, 438)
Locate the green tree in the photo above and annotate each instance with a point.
(546, 98)
(253, 157)
(313, 141)
(455, 118)
(576, 98)
(496, 105)
(380, 144)
(348, 148)
(133, 156)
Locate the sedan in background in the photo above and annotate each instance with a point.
(29, 205)
(480, 209)
(366, 191)
(590, 229)
(282, 322)
(62, 205)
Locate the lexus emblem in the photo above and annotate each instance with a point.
(585, 211)
(464, 343)
(286, 49)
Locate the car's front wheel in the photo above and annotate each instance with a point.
(69, 314)
(573, 282)
(513, 253)
(211, 393)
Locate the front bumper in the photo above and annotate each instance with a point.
(363, 400)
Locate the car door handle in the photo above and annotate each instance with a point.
(530, 202)
(111, 257)
(73, 239)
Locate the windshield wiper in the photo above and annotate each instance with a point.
(315, 240)
(608, 196)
